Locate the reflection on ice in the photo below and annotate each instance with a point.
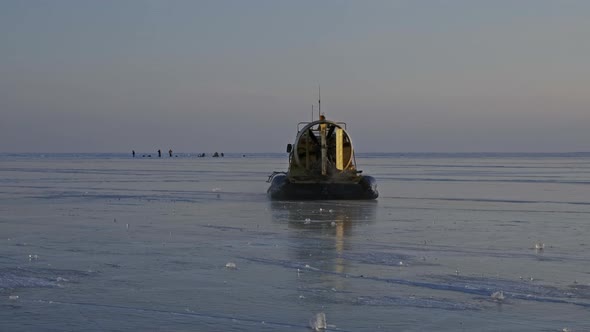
(321, 228)
(324, 211)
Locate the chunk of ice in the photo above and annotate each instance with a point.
(498, 296)
(318, 322)
(231, 266)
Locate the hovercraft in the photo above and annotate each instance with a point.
(322, 166)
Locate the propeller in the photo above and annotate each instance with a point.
(330, 131)
(312, 136)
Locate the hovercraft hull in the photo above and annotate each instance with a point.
(282, 189)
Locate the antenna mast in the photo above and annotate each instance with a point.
(319, 101)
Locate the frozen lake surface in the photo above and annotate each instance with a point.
(111, 243)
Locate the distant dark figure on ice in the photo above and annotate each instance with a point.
(170, 152)
(133, 153)
(215, 155)
(159, 153)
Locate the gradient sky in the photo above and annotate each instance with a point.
(237, 76)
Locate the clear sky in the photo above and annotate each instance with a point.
(237, 76)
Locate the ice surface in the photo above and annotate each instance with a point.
(462, 226)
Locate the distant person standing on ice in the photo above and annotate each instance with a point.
(133, 153)
(159, 153)
(170, 152)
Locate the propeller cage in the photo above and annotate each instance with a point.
(322, 148)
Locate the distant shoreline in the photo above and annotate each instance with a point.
(208, 155)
